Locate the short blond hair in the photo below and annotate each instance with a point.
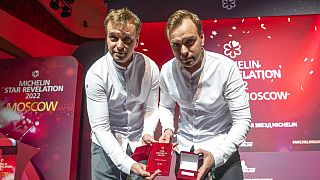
(122, 17)
(177, 17)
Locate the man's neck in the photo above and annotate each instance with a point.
(126, 63)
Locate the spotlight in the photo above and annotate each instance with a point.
(54, 4)
(66, 11)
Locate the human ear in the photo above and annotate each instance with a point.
(202, 38)
(137, 43)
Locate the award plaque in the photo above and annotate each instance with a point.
(189, 164)
(160, 158)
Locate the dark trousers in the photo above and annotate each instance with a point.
(231, 170)
(102, 167)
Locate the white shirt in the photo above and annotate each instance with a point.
(122, 101)
(214, 108)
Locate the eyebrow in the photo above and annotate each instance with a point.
(122, 34)
(183, 39)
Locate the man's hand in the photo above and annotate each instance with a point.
(208, 163)
(153, 175)
(140, 169)
(166, 137)
(147, 139)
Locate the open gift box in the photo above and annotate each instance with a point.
(189, 164)
(141, 153)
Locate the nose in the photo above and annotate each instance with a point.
(184, 51)
(119, 44)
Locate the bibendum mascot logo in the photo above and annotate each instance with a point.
(232, 49)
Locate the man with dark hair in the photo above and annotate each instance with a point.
(214, 110)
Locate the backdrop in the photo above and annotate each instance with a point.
(279, 61)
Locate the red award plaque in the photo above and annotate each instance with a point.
(160, 158)
(188, 168)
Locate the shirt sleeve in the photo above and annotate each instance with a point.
(151, 117)
(97, 106)
(166, 106)
(238, 103)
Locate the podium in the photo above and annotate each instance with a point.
(15, 156)
(40, 106)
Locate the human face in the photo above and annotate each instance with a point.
(186, 45)
(121, 42)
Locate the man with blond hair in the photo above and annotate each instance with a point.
(122, 91)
